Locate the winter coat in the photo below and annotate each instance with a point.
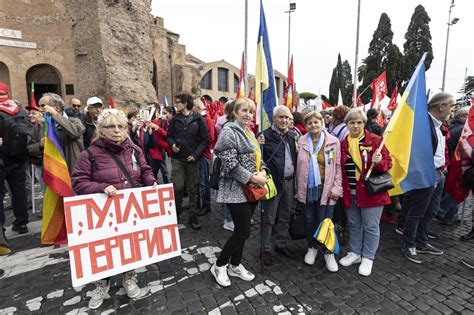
(90, 130)
(160, 139)
(455, 131)
(70, 132)
(363, 199)
(277, 164)
(373, 127)
(93, 176)
(35, 151)
(212, 136)
(332, 169)
(189, 134)
(238, 164)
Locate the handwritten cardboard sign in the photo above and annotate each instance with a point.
(108, 236)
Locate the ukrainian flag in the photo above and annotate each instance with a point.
(265, 92)
(409, 138)
(58, 185)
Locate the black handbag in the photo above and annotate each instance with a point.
(377, 183)
(216, 170)
(297, 228)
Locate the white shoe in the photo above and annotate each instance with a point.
(331, 262)
(365, 268)
(350, 259)
(240, 272)
(100, 293)
(310, 256)
(228, 225)
(129, 283)
(220, 274)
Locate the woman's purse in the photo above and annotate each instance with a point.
(271, 188)
(254, 193)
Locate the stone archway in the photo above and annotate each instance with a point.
(46, 78)
(5, 75)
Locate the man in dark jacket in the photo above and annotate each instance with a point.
(188, 138)
(279, 153)
(94, 106)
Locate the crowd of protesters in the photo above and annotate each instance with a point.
(319, 157)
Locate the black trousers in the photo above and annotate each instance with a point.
(234, 247)
(14, 173)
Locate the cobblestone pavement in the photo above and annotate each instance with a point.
(37, 279)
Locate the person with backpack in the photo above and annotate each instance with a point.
(14, 129)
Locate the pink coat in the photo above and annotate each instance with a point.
(332, 174)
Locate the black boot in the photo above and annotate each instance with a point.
(468, 236)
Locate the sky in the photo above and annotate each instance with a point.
(215, 29)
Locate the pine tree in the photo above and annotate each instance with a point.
(341, 80)
(418, 41)
(383, 55)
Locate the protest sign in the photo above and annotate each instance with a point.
(108, 236)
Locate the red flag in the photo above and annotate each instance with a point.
(359, 101)
(250, 96)
(392, 105)
(326, 105)
(461, 161)
(111, 102)
(379, 89)
(241, 88)
(290, 87)
(32, 104)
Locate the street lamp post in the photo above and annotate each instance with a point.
(450, 22)
(292, 9)
(354, 92)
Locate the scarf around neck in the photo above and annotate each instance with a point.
(314, 177)
(354, 151)
(254, 143)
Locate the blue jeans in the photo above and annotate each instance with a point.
(448, 208)
(314, 214)
(364, 231)
(204, 189)
(227, 215)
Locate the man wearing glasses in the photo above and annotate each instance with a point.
(94, 107)
(74, 109)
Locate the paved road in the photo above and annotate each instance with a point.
(37, 279)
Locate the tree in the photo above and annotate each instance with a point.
(341, 80)
(418, 41)
(383, 55)
(306, 96)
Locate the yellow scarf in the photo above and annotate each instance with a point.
(257, 153)
(354, 151)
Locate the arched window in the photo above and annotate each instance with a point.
(222, 79)
(5, 74)
(206, 81)
(46, 78)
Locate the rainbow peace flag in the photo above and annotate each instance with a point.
(58, 185)
(265, 91)
(409, 138)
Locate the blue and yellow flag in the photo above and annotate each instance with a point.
(409, 138)
(265, 92)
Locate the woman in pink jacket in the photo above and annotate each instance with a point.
(319, 180)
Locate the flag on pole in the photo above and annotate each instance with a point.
(326, 105)
(265, 91)
(165, 101)
(379, 89)
(32, 99)
(408, 134)
(461, 161)
(241, 88)
(111, 102)
(58, 185)
(290, 87)
(392, 105)
(339, 98)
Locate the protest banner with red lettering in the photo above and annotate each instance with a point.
(108, 236)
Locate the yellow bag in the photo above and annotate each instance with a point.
(271, 188)
(326, 235)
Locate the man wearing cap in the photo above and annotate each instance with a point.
(70, 129)
(94, 107)
(74, 109)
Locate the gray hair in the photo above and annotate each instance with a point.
(439, 99)
(462, 111)
(355, 113)
(199, 105)
(282, 108)
(55, 100)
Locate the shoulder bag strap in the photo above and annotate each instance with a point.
(122, 168)
(274, 152)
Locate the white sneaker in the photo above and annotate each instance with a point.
(129, 283)
(350, 259)
(220, 274)
(240, 272)
(365, 268)
(331, 262)
(228, 225)
(310, 256)
(100, 293)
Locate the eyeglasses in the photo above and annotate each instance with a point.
(114, 127)
(75, 106)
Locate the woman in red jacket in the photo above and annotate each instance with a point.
(358, 152)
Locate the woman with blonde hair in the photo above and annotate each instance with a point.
(319, 180)
(112, 162)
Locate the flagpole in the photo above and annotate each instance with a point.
(354, 97)
(246, 46)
